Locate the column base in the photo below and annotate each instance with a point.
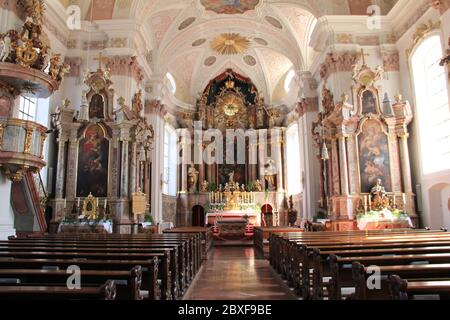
(6, 231)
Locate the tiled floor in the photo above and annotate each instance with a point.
(233, 273)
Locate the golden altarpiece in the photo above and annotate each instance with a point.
(364, 149)
(232, 102)
(103, 152)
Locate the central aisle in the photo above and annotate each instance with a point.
(233, 273)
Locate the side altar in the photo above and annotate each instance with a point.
(364, 157)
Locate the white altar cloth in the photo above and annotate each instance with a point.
(107, 225)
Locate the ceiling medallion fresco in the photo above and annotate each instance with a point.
(210, 61)
(186, 23)
(274, 22)
(261, 41)
(230, 44)
(229, 6)
(198, 42)
(250, 60)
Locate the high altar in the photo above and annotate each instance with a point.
(364, 146)
(232, 189)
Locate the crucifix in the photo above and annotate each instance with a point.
(100, 59)
(363, 55)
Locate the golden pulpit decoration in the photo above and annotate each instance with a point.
(90, 205)
(139, 203)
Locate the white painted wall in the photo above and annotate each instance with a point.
(6, 212)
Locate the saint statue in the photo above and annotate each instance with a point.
(269, 174)
(258, 186)
(378, 196)
(231, 178)
(192, 179)
(204, 186)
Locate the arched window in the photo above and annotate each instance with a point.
(170, 161)
(173, 84)
(287, 82)
(294, 183)
(430, 83)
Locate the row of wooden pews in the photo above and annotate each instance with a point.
(411, 264)
(129, 267)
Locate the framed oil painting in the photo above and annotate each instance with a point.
(374, 162)
(369, 102)
(96, 107)
(93, 156)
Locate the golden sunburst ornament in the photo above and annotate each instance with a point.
(230, 44)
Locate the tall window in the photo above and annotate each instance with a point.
(27, 108)
(432, 105)
(170, 161)
(293, 160)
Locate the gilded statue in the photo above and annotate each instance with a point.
(55, 62)
(379, 200)
(26, 54)
(137, 102)
(204, 186)
(192, 178)
(258, 186)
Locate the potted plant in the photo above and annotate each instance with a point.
(148, 219)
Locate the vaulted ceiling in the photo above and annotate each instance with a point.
(182, 31)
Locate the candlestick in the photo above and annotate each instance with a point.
(65, 203)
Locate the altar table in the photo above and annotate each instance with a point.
(213, 217)
(86, 227)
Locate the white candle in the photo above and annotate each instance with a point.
(78, 202)
(404, 199)
(65, 203)
(105, 204)
(394, 200)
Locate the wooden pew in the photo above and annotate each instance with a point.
(185, 263)
(150, 268)
(183, 259)
(104, 292)
(88, 278)
(404, 290)
(177, 285)
(193, 247)
(341, 274)
(357, 240)
(425, 272)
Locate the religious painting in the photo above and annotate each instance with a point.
(373, 156)
(5, 107)
(96, 107)
(93, 156)
(369, 102)
(225, 171)
(229, 6)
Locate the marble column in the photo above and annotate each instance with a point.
(133, 168)
(72, 157)
(277, 140)
(405, 163)
(124, 171)
(343, 165)
(60, 171)
(262, 145)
